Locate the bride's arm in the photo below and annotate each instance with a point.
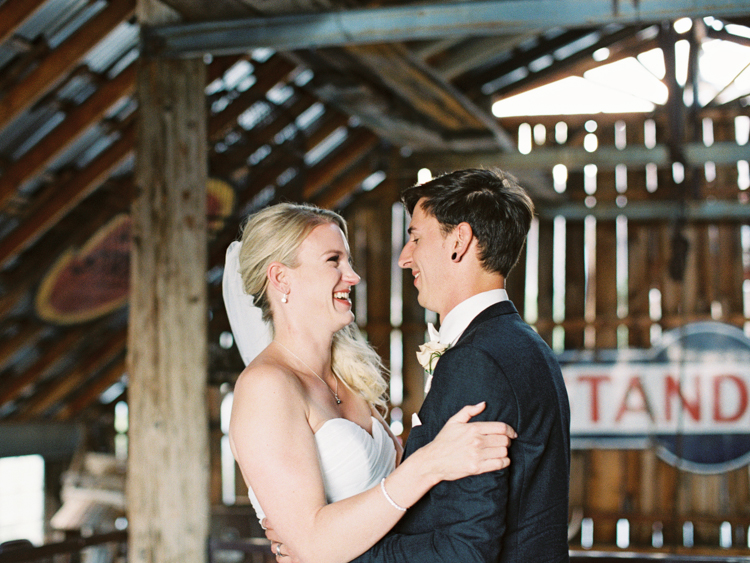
(275, 448)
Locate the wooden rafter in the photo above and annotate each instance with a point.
(59, 62)
(91, 392)
(69, 194)
(27, 334)
(13, 13)
(343, 186)
(75, 124)
(65, 383)
(56, 350)
(317, 179)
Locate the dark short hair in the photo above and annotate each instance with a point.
(490, 200)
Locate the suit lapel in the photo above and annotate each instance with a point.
(503, 308)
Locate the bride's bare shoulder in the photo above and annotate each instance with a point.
(265, 379)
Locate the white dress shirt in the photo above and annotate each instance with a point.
(460, 317)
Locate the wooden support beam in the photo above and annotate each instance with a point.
(576, 157)
(167, 493)
(75, 124)
(13, 13)
(68, 195)
(409, 78)
(59, 62)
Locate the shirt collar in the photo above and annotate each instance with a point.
(461, 315)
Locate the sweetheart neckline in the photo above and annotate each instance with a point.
(372, 418)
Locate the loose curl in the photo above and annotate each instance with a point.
(275, 234)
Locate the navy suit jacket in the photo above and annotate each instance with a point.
(519, 513)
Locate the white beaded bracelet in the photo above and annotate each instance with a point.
(388, 497)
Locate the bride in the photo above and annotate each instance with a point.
(319, 461)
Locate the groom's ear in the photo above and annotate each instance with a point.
(463, 235)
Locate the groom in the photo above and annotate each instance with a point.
(467, 230)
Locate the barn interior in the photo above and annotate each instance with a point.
(136, 136)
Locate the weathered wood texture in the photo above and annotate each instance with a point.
(168, 463)
(663, 285)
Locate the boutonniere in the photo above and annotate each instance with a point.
(429, 353)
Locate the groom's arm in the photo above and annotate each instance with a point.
(466, 518)
(476, 538)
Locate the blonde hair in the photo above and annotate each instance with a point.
(275, 234)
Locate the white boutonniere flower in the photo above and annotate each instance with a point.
(429, 353)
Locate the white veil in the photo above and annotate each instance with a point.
(251, 333)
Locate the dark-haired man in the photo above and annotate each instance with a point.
(466, 232)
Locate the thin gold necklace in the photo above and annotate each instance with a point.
(334, 393)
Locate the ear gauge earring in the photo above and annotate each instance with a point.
(454, 256)
(284, 298)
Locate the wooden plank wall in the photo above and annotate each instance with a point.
(607, 485)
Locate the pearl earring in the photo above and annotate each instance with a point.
(284, 299)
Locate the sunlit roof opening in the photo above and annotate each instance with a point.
(636, 84)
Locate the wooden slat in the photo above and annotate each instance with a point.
(68, 195)
(606, 283)
(545, 276)
(728, 272)
(378, 257)
(75, 124)
(639, 283)
(13, 13)
(575, 283)
(55, 66)
(604, 490)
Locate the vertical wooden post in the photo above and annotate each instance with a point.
(168, 508)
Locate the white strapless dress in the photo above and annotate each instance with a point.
(351, 461)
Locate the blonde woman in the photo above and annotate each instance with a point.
(319, 460)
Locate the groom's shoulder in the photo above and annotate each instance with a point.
(496, 319)
(501, 326)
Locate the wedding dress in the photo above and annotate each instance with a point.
(351, 460)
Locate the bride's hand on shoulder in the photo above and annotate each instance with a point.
(461, 448)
